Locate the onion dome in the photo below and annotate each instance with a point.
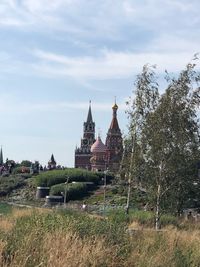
(98, 146)
(115, 106)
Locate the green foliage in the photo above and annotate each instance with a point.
(37, 225)
(109, 176)
(54, 177)
(147, 218)
(149, 248)
(5, 208)
(7, 184)
(73, 190)
(26, 163)
(164, 139)
(21, 169)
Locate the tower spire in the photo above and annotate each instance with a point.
(114, 122)
(1, 157)
(89, 117)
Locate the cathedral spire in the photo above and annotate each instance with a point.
(1, 157)
(89, 117)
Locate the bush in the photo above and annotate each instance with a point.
(54, 177)
(74, 190)
(147, 218)
(21, 169)
(143, 217)
(109, 176)
(7, 184)
(167, 219)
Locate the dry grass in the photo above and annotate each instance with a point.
(18, 213)
(6, 224)
(70, 250)
(2, 246)
(167, 248)
(61, 249)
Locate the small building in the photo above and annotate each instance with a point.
(52, 163)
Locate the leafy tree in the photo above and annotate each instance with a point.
(166, 143)
(144, 102)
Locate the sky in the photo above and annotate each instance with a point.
(56, 55)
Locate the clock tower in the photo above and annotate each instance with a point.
(114, 143)
(83, 153)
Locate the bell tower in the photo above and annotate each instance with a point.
(83, 153)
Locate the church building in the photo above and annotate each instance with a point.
(93, 154)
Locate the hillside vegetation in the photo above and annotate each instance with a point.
(42, 237)
(54, 177)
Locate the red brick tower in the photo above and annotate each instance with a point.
(83, 153)
(114, 143)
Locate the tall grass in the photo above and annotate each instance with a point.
(45, 238)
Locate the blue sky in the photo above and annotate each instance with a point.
(57, 55)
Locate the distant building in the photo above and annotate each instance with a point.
(52, 163)
(94, 155)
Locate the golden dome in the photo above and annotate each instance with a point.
(115, 106)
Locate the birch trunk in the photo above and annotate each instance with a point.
(157, 223)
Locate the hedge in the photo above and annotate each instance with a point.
(50, 178)
(73, 190)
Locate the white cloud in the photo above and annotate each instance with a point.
(110, 65)
(11, 104)
(99, 18)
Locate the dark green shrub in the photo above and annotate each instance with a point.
(167, 219)
(109, 176)
(21, 169)
(73, 190)
(7, 184)
(54, 177)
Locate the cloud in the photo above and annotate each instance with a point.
(110, 64)
(99, 25)
(12, 104)
(99, 18)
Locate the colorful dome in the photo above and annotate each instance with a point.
(98, 146)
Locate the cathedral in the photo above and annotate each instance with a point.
(93, 154)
